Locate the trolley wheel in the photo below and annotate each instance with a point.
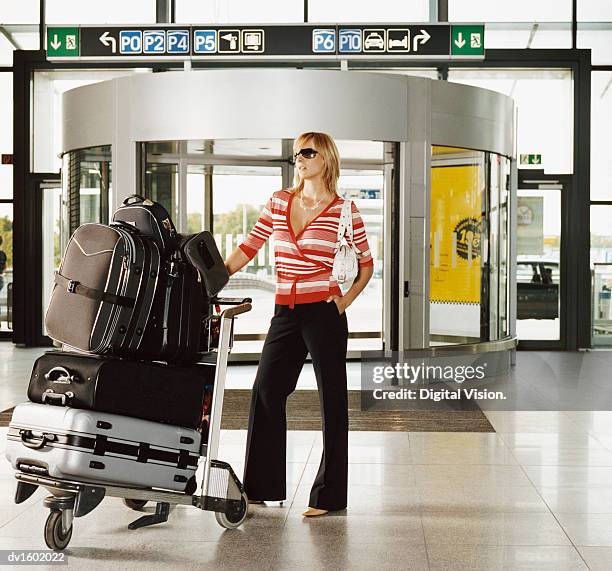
(232, 521)
(134, 504)
(55, 537)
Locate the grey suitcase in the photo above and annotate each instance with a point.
(104, 290)
(73, 444)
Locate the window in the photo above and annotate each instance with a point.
(6, 134)
(528, 35)
(6, 267)
(366, 11)
(239, 11)
(601, 119)
(601, 268)
(517, 11)
(596, 37)
(108, 12)
(22, 12)
(544, 99)
(594, 11)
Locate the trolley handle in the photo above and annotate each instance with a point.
(230, 300)
(232, 312)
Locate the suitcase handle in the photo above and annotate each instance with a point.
(64, 399)
(135, 199)
(29, 440)
(59, 375)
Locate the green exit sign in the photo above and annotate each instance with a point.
(531, 159)
(62, 42)
(467, 40)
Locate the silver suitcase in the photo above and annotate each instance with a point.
(74, 444)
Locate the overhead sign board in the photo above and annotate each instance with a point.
(303, 41)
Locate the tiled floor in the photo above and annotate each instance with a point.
(535, 495)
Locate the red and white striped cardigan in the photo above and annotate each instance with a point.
(304, 262)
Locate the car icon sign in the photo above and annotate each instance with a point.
(374, 40)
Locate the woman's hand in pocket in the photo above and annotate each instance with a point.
(339, 301)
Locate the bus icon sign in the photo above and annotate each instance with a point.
(324, 41)
(349, 41)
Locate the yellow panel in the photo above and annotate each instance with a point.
(439, 150)
(456, 215)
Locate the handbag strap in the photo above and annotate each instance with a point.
(346, 226)
(341, 227)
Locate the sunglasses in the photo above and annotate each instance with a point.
(306, 153)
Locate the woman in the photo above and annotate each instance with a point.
(309, 317)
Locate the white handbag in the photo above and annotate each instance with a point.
(346, 265)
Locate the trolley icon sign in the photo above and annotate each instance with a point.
(324, 41)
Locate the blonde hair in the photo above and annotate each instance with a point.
(331, 160)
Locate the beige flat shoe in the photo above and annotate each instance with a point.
(314, 512)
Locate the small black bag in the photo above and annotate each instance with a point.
(172, 394)
(174, 327)
(201, 251)
(151, 219)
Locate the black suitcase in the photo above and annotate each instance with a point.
(201, 251)
(174, 329)
(151, 219)
(104, 290)
(151, 391)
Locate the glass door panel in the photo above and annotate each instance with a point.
(51, 247)
(538, 264)
(238, 195)
(6, 267)
(365, 315)
(161, 182)
(458, 246)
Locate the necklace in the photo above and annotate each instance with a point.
(310, 207)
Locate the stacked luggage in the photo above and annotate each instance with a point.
(124, 399)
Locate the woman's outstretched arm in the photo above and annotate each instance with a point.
(236, 261)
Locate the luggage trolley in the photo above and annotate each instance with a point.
(220, 491)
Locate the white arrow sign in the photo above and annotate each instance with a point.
(460, 42)
(421, 38)
(55, 44)
(108, 41)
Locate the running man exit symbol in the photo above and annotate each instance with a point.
(62, 42)
(467, 40)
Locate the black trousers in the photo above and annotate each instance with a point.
(318, 329)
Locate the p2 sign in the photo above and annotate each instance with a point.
(154, 41)
(324, 41)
